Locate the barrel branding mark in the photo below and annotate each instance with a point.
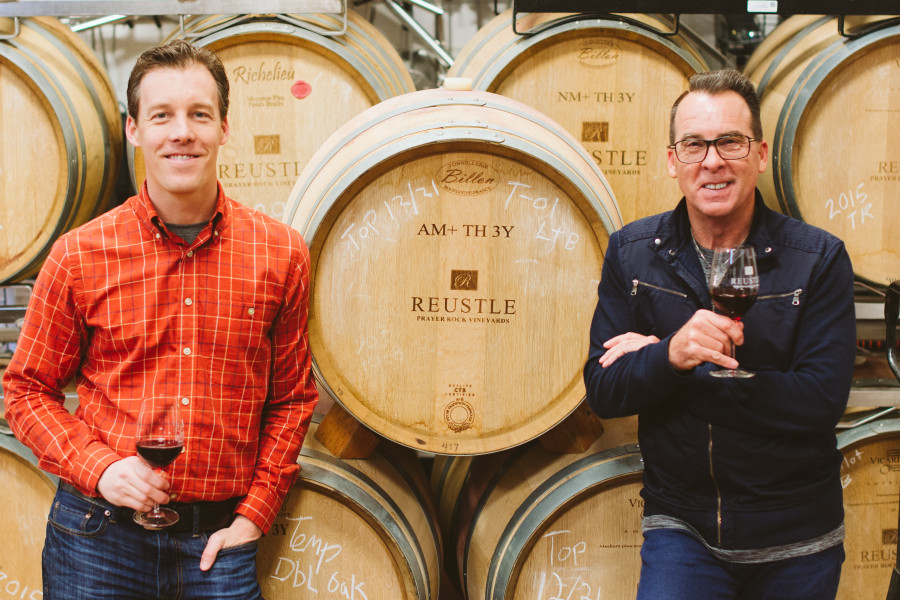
(467, 177)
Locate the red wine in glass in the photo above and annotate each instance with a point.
(159, 453)
(733, 286)
(159, 440)
(734, 302)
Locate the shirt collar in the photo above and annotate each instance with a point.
(153, 224)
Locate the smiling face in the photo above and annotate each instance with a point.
(719, 193)
(179, 128)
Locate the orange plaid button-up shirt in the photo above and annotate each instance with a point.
(123, 305)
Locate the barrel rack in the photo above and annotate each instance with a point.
(841, 8)
(876, 387)
(789, 7)
(110, 11)
(58, 8)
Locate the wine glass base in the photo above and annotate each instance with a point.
(159, 518)
(732, 373)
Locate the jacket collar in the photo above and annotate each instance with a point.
(674, 231)
(672, 242)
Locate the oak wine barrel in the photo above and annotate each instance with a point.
(456, 240)
(870, 475)
(829, 111)
(525, 523)
(25, 498)
(354, 529)
(61, 140)
(292, 86)
(610, 83)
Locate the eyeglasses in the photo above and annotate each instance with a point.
(729, 147)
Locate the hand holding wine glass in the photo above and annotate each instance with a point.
(159, 440)
(733, 285)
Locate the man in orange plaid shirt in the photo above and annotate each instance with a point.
(184, 292)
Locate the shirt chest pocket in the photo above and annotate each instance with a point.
(237, 323)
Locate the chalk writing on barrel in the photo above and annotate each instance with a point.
(403, 207)
(307, 571)
(397, 207)
(574, 583)
(13, 588)
(847, 463)
(276, 210)
(546, 231)
(852, 205)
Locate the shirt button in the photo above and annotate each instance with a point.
(251, 311)
(158, 235)
(190, 253)
(173, 496)
(657, 241)
(187, 351)
(188, 301)
(185, 401)
(671, 253)
(768, 249)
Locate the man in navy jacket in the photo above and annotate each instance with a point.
(741, 479)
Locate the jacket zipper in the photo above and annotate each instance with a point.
(712, 475)
(796, 294)
(635, 283)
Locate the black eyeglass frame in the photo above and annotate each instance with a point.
(713, 142)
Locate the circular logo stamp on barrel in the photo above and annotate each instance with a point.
(459, 415)
(599, 53)
(467, 177)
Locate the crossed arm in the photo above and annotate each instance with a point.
(706, 337)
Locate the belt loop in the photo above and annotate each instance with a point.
(195, 510)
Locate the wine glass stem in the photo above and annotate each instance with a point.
(732, 342)
(155, 510)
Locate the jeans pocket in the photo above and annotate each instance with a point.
(245, 548)
(78, 516)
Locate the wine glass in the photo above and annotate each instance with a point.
(159, 440)
(733, 285)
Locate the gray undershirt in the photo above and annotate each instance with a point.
(188, 233)
(706, 257)
(757, 555)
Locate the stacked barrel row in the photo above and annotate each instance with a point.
(295, 79)
(456, 239)
(831, 113)
(61, 141)
(512, 524)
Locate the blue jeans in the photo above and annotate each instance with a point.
(676, 566)
(93, 551)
